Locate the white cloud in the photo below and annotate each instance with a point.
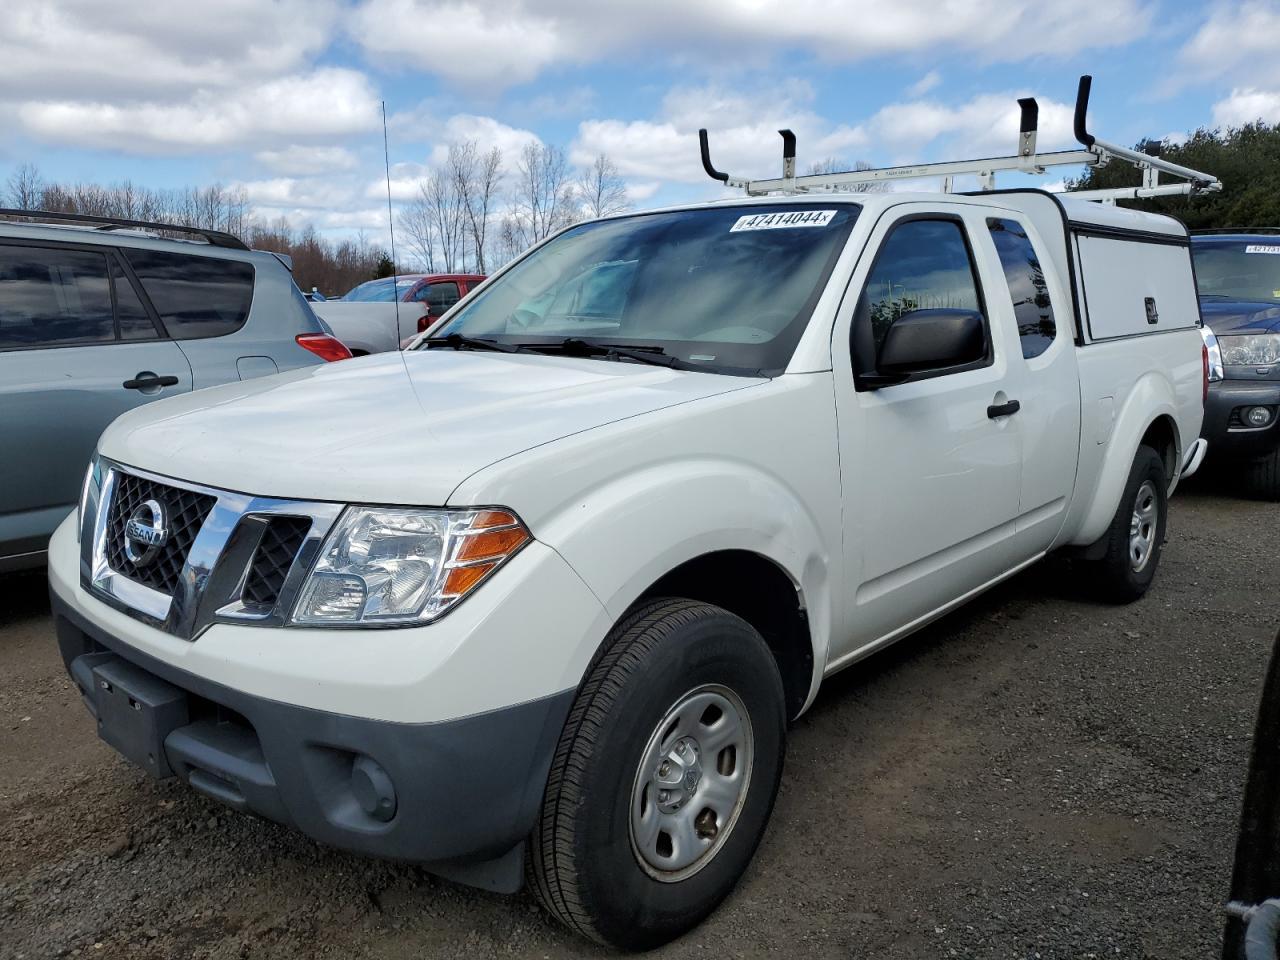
(311, 193)
(1246, 105)
(300, 160)
(1237, 40)
(924, 84)
(499, 43)
(745, 142)
(486, 132)
(986, 124)
(744, 137)
(63, 48)
(639, 192)
(470, 43)
(327, 103)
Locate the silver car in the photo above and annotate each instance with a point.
(101, 316)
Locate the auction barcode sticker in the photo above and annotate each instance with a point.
(1262, 248)
(778, 221)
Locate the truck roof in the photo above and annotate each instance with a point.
(1087, 212)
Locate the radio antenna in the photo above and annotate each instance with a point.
(391, 224)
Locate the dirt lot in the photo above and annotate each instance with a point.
(1035, 776)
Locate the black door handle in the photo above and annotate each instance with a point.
(146, 383)
(1003, 409)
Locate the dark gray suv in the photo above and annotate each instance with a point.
(99, 316)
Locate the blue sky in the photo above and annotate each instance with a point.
(282, 96)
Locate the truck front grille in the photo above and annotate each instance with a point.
(276, 552)
(185, 512)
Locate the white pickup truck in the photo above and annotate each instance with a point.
(559, 620)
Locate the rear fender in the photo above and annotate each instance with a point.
(1151, 398)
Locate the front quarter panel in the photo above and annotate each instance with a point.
(754, 470)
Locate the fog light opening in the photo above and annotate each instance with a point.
(1257, 416)
(372, 787)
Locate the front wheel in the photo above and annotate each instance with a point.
(664, 778)
(1135, 539)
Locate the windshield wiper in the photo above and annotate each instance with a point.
(458, 340)
(654, 355)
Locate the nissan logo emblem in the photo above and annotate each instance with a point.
(145, 532)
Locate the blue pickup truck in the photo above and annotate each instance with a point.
(1238, 275)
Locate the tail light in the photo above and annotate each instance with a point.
(324, 346)
(1204, 356)
(424, 322)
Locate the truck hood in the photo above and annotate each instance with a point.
(403, 428)
(1230, 317)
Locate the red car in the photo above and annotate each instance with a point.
(439, 291)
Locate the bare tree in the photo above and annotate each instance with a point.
(542, 201)
(25, 187)
(416, 223)
(448, 220)
(601, 189)
(483, 195)
(835, 165)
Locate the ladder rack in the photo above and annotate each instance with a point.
(1095, 153)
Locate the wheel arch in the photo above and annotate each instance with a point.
(761, 592)
(1148, 416)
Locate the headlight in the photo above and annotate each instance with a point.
(1254, 350)
(385, 566)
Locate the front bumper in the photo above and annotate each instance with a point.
(465, 792)
(1236, 442)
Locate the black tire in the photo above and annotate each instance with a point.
(1262, 477)
(1117, 577)
(583, 865)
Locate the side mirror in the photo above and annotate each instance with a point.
(932, 340)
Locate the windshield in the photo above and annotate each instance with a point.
(726, 288)
(1241, 270)
(380, 291)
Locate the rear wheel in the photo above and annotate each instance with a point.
(664, 778)
(1262, 477)
(1135, 539)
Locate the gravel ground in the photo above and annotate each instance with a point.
(1035, 776)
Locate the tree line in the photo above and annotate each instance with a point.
(469, 214)
(1246, 159)
(332, 266)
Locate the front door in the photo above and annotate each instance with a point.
(930, 468)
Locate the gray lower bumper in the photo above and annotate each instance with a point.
(457, 796)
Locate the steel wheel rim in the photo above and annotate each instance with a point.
(691, 783)
(1142, 526)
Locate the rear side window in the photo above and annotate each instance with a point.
(195, 296)
(53, 297)
(441, 296)
(1027, 288)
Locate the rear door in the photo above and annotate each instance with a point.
(204, 302)
(77, 349)
(1028, 296)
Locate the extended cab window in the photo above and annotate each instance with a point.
(729, 289)
(195, 296)
(53, 297)
(1031, 307)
